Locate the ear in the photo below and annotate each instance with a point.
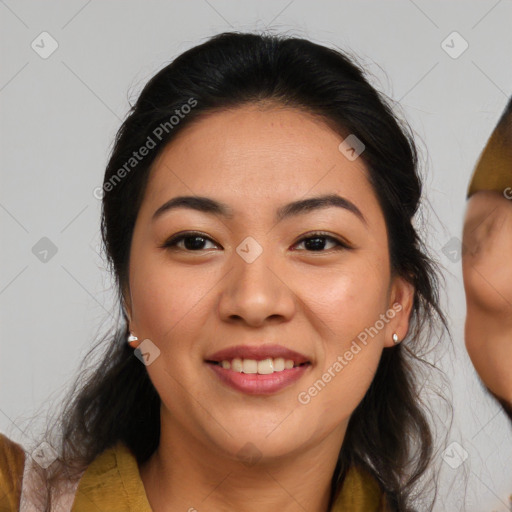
(401, 300)
(127, 309)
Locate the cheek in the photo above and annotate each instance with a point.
(165, 297)
(346, 306)
(347, 300)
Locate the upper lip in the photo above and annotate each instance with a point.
(258, 353)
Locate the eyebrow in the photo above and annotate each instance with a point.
(302, 206)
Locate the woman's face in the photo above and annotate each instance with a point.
(257, 277)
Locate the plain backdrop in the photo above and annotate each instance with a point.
(60, 112)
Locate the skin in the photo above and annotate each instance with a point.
(193, 303)
(487, 273)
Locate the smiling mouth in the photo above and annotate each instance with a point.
(261, 367)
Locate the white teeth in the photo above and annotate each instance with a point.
(278, 364)
(264, 367)
(236, 365)
(250, 366)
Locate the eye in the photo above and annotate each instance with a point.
(316, 242)
(195, 241)
(192, 241)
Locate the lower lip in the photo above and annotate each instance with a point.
(256, 384)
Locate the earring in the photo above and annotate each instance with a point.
(395, 338)
(132, 338)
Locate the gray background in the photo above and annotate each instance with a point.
(60, 115)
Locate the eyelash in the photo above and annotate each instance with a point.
(174, 240)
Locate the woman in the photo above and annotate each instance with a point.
(257, 214)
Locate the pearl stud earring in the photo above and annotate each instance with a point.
(132, 338)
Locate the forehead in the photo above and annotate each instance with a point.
(253, 155)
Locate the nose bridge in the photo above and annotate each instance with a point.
(253, 276)
(253, 267)
(252, 290)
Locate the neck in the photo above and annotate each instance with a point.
(184, 475)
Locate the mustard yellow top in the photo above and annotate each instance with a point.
(493, 170)
(112, 483)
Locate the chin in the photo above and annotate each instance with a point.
(256, 445)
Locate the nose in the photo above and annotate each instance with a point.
(256, 293)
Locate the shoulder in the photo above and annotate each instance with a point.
(112, 482)
(360, 492)
(12, 461)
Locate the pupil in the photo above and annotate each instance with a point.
(191, 242)
(315, 243)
